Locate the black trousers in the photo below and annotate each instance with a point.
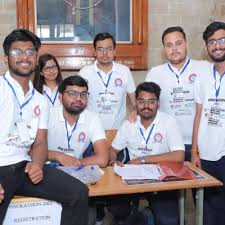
(56, 185)
(214, 198)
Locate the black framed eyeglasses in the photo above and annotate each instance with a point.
(75, 94)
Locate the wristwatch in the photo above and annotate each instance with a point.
(142, 160)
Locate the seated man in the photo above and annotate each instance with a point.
(72, 128)
(23, 137)
(153, 138)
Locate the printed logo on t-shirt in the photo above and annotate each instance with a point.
(158, 138)
(81, 137)
(37, 110)
(192, 77)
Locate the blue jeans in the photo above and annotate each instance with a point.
(56, 186)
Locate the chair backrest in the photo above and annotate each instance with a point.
(110, 135)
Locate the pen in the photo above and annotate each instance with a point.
(79, 168)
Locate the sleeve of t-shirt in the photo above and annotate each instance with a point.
(44, 109)
(96, 130)
(131, 85)
(197, 91)
(120, 141)
(148, 76)
(174, 136)
(81, 72)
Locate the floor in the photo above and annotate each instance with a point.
(189, 211)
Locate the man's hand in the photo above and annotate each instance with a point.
(34, 172)
(136, 161)
(67, 160)
(1, 193)
(195, 159)
(132, 117)
(118, 163)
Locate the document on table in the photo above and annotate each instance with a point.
(146, 171)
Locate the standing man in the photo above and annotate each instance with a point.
(208, 147)
(109, 83)
(23, 137)
(72, 128)
(176, 79)
(153, 138)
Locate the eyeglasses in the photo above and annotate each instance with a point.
(102, 50)
(17, 52)
(50, 68)
(142, 102)
(214, 42)
(75, 94)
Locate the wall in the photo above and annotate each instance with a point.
(192, 15)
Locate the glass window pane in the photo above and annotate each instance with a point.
(81, 20)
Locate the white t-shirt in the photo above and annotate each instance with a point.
(18, 132)
(51, 96)
(109, 101)
(177, 98)
(88, 129)
(211, 134)
(164, 136)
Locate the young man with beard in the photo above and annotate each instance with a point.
(153, 138)
(23, 137)
(176, 79)
(208, 147)
(72, 128)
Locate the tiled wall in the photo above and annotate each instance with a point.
(192, 15)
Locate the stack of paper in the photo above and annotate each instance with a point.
(146, 171)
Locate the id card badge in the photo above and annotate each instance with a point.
(23, 131)
(106, 98)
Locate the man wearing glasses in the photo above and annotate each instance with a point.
(208, 147)
(109, 83)
(153, 138)
(72, 128)
(23, 137)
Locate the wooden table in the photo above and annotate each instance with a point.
(111, 184)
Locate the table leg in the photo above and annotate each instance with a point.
(181, 206)
(199, 206)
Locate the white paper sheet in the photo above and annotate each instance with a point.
(146, 171)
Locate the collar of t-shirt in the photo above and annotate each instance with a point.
(176, 70)
(139, 125)
(114, 68)
(17, 87)
(81, 120)
(49, 91)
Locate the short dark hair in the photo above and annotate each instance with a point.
(150, 87)
(39, 80)
(103, 36)
(71, 81)
(171, 30)
(211, 29)
(20, 35)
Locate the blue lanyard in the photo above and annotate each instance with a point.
(184, 68)
(49, 98)
(14, 93)
(221, 77)
(105, 84)
(149, 134)
(67, 132)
